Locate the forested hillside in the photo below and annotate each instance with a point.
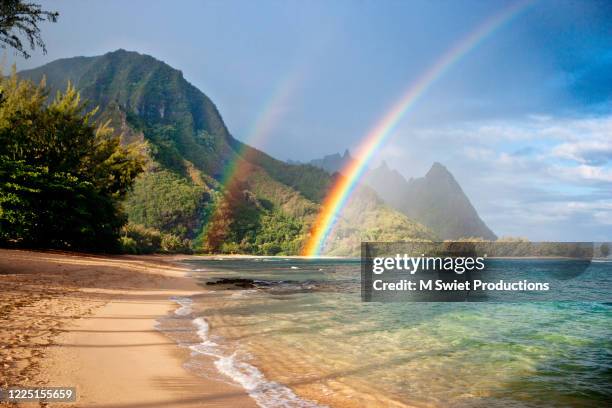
(268, 205)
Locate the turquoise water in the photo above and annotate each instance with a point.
(303, 332)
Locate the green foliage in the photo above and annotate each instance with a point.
(163, 146)
(138, 239)
(128, 245)
(61, 176)
(174, 244)
(43, 209)
(179, 121)
(240, 224)
(310, 181)
(279, 235)
(270, 205)
(366, 218)
(273, 194)
(20, 19)
(167, 202)
(228, 219)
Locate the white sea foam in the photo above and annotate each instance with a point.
(185, 308)
(185, 304)
(267, 394)
(206, 346)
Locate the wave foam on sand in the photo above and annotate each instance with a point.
(266, 393)
(185, 304)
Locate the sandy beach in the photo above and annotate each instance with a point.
(107, 326)
(89, 321)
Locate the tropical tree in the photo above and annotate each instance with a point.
(20, 19)
(62, 176)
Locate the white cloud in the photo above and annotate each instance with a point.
(586, 151)
(541, 177)
(584, 173)
(533, 128)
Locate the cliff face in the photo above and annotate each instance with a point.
(267, 207)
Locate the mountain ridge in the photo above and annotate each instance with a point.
(435, 200)
(269, 205)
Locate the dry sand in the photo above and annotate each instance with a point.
(89, 321)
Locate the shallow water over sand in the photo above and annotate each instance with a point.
(300, 334)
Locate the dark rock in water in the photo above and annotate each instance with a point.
(237, 282)
(245, 283)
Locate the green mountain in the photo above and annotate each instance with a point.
(436, 200)
(269, 205)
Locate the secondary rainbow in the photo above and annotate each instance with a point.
(265, 121)
(342, 189)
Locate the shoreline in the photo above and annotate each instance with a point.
(97, 323)
(90, 321)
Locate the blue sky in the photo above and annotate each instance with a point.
(524, 121)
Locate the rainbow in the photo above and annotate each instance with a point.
(238, 167)
(265, 121)
(351, 174)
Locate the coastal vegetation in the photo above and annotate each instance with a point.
(138, 160)
(62, 175)
(201, 189)
(19, 20)
(137, 239)
(167, 202)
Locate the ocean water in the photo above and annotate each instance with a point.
(300, 336)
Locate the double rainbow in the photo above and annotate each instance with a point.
(341, 191)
